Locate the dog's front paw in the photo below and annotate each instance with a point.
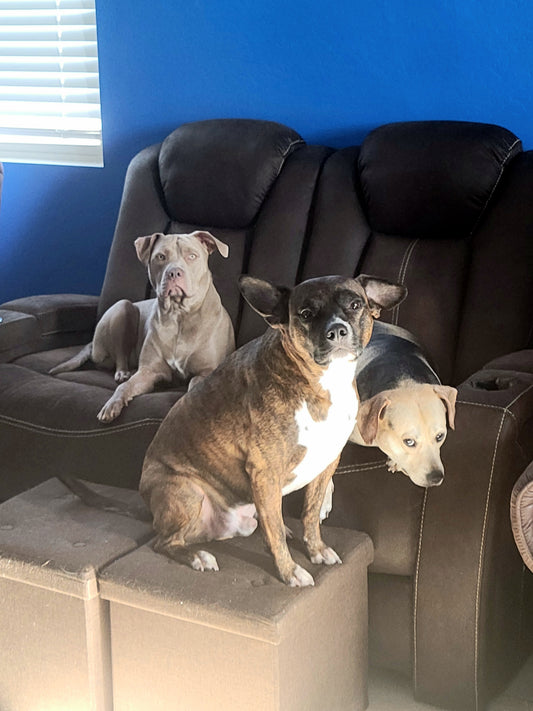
(122, 375)
(202, 560)
(300, 578)
(111, 410)
(327, 556)
(392, 466)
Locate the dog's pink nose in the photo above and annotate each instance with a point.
(175, 273)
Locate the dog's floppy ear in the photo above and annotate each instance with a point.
(448, 396)
(211, 242)
(271, 302)
(369, 414)
(381, 293)
(143, 246)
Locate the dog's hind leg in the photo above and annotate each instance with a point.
(180, 521)
(115, 338)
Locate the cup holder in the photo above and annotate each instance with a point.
(492, 383)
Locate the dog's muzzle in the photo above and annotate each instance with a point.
(174, 283)
(338, 341)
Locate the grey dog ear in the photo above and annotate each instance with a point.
(270, 301)
(211, 242)
(144, 246)
(381, 293)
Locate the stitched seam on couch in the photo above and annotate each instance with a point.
(401, 276)
(480, 564)
(56, 432)
(347, 468)
(415, 610)
(287, 152)
(497, 182)
(517, 398)
(496, 407)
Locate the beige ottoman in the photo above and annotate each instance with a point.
(54, 628)
(239, 638)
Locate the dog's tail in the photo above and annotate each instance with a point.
(104, 503)
(75, 362)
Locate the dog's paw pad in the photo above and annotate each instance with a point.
(122, 375)
(202, 560)
(301, 578)
(327, 556)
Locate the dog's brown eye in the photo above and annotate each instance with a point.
(409, 442)
(160, 257)
(440, 437)
(306, 314)
(355, 305)
(192, 256)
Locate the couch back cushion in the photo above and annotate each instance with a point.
(432, 179)
(219, 172)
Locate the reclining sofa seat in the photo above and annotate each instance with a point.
(249, 182)
(444, 208)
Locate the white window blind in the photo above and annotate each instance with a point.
(49, 87)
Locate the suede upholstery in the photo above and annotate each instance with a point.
(443, 207)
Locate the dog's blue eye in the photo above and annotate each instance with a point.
(409, 442)
(440, 437)
(161, 257)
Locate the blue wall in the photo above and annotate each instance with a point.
(332, 71)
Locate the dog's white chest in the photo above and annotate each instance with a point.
(325, 439)
(177, 364)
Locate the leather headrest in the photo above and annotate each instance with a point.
(217, 173)
(432, 178)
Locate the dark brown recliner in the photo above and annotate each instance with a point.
(445, 208)
(251, 183)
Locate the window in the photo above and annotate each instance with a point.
(49, 87)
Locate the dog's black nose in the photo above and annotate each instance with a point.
(174, 273)
(435, 478)
(336, 332)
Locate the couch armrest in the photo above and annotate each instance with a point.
(18, 334)
(62, 319)
(521, 361)
(469, 575)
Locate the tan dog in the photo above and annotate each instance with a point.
(185, 331)
(404, 410)
(271, 419)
